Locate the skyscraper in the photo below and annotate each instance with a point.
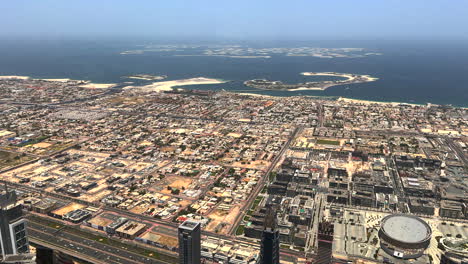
(189, 242)
(269, 252)
(13, 239)
(325, 242)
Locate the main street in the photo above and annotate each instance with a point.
(261, 183)
(319, 209)
(84, 246)
(457, 150)
(149, 219)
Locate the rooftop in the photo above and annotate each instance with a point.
(131, 228)
(189, 225)
(405, 228)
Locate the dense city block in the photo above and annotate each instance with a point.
(131, 166)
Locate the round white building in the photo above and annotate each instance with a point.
(404, 236)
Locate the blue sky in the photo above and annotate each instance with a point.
(245, 19)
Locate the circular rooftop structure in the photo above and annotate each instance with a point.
(404, 236)
(406, 228)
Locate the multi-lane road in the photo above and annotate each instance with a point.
(457, 150)
(262, 181)
(84, 248)
(96, 251)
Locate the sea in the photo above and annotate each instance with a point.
(417, 71)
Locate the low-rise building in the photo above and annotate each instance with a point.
(421, 206)
(451, 209)
(131, 229)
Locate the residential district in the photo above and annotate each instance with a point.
(121, 176)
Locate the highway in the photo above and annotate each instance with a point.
(162, 222)
(320, 114)
(261, 183)
(94, 250)
(120, 212)
(42, 233)
(457, 150)
(36, 242)
(312, 242)
(98, 252)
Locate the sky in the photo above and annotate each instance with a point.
(237, 19)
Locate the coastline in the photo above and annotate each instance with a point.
(258, 95)
(349, 76)
(146, 77)
(99, 85)
(55, 80)
(361, 101)
(14, 77)
(341, 99)
(169, 85)
(86, 84)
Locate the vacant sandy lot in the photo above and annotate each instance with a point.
(258, 164)
(219, 217)
(172, 181)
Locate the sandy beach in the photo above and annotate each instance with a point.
(168, 85)
(341, 99)
(55, 80)
(311, 88)
(5, 77)
(357, 101)
(139, 78)
(86, 84)
(349, 76)
(146, 77)
(98, 85)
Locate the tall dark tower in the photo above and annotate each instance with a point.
(325, 242)
(189, 242)
(14, 243)
(44, 255)
(269, 252)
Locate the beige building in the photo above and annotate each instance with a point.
(131, 229)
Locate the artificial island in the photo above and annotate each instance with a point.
(350, 78)
(147, 77)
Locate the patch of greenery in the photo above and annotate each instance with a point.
(33, 141)
(328, 142)
(272, 176)
(10, 159)
(240, 230)
(256, 203)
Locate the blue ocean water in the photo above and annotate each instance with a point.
(408, 71)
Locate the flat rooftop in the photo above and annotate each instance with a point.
(103, 219)
(170, 241)
(190, 225)
(45, 203)
(68, 208)
(131, 228)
